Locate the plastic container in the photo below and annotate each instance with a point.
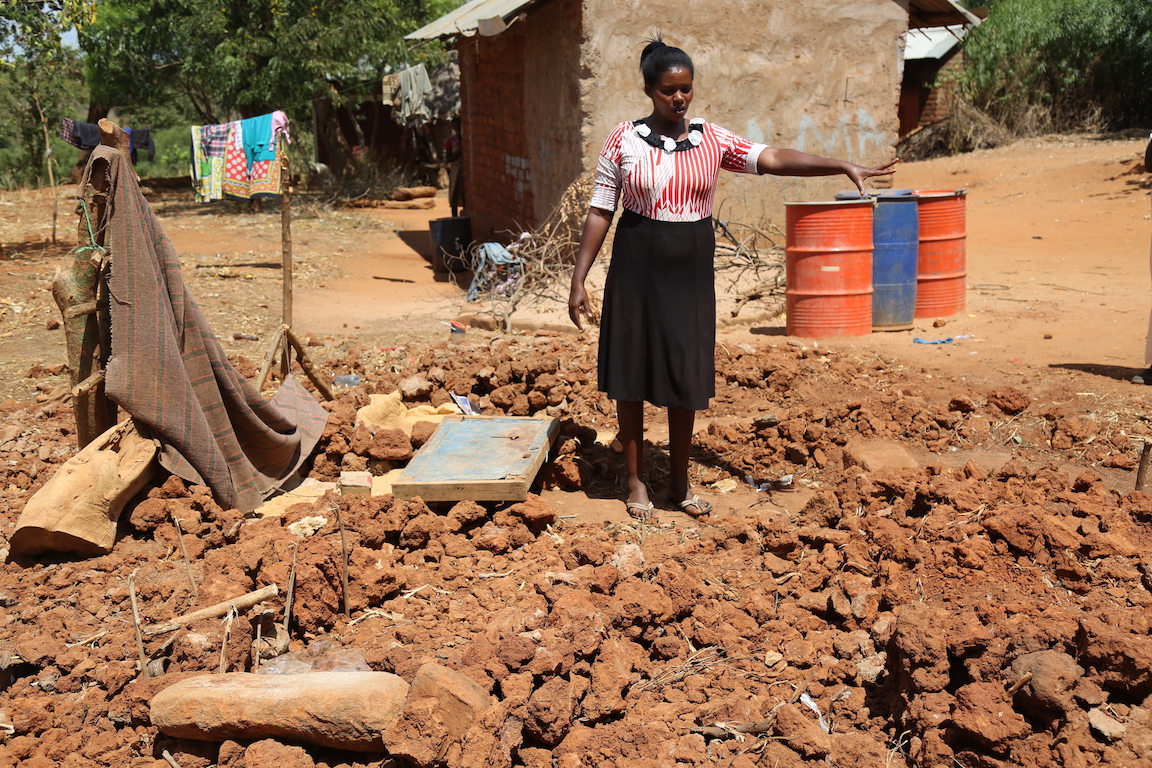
(829, 268)
(451, 238)
(942, 273)
(895, 254)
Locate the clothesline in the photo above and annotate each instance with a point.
(240, 159)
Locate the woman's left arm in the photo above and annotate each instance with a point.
(791, 162)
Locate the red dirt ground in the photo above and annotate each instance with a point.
(959, 574)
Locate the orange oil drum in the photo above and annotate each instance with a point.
(941, 264)
(829, 268)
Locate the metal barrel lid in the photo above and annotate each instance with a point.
(941, 192)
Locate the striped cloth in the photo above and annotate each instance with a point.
(667, 180)
(168, 370)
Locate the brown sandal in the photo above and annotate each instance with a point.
(643, 511)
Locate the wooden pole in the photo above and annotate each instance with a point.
(268, 360)
(286, 236)
(1142, 472)
(306, 365)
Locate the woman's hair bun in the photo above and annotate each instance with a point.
(658, 57)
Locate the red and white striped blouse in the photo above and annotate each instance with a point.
(671, 181)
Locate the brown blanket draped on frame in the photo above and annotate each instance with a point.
(168, 370)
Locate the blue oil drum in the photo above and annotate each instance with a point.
(895, 251)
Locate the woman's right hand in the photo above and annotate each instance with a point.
(578, 304)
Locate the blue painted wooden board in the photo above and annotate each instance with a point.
(482, 458)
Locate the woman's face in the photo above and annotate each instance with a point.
(671, 94)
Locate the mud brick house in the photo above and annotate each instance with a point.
(933, 57)
(544, 81)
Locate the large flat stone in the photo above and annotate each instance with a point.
(342, 710)
(874, 455)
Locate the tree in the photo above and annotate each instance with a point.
(246, 56)
(1037, 65)
(38, 74)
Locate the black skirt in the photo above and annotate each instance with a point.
(658, 324)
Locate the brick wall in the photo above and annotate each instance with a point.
(520, 100)
(938, 100)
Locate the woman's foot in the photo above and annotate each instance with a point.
(695, 506)
(644, 511)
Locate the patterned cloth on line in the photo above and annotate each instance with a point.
(168, 370)
(214, 139)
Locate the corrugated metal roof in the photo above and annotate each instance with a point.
(933, 42)
(938, 13)
(465, 19)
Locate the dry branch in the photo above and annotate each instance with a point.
(215, 611)
(749, 261)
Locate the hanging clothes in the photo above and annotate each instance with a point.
(82, 135)
(140, 138)
(207, 171)
(239, 160)
(414, 86)
(390, 87)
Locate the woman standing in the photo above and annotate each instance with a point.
(658, 327)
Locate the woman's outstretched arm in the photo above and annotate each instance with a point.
(791, 162)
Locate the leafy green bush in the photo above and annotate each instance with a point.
(1039, 65)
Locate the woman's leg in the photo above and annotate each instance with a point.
(680, 423)
(630, 416)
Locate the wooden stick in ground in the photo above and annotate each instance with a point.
(1142, 472)
(272, 349)
(187, 561)
(256, 646)
(306, 365)
(1024, 680)
(291, 587)
(216, 611)
(227, 637)
(143, 662)
(343, 560)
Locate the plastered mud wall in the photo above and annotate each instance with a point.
(816, 75)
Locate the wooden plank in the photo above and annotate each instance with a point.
(481, 458)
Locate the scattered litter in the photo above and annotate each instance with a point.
(807, 701)
(496, 271)
(245, 337)
(727, 485)
(347, 380)
(319, 656)
(783, 484)
(463, 403)
(308, 525)
(948, 340)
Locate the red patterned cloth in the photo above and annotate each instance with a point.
(241, 182)
(666, 180)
